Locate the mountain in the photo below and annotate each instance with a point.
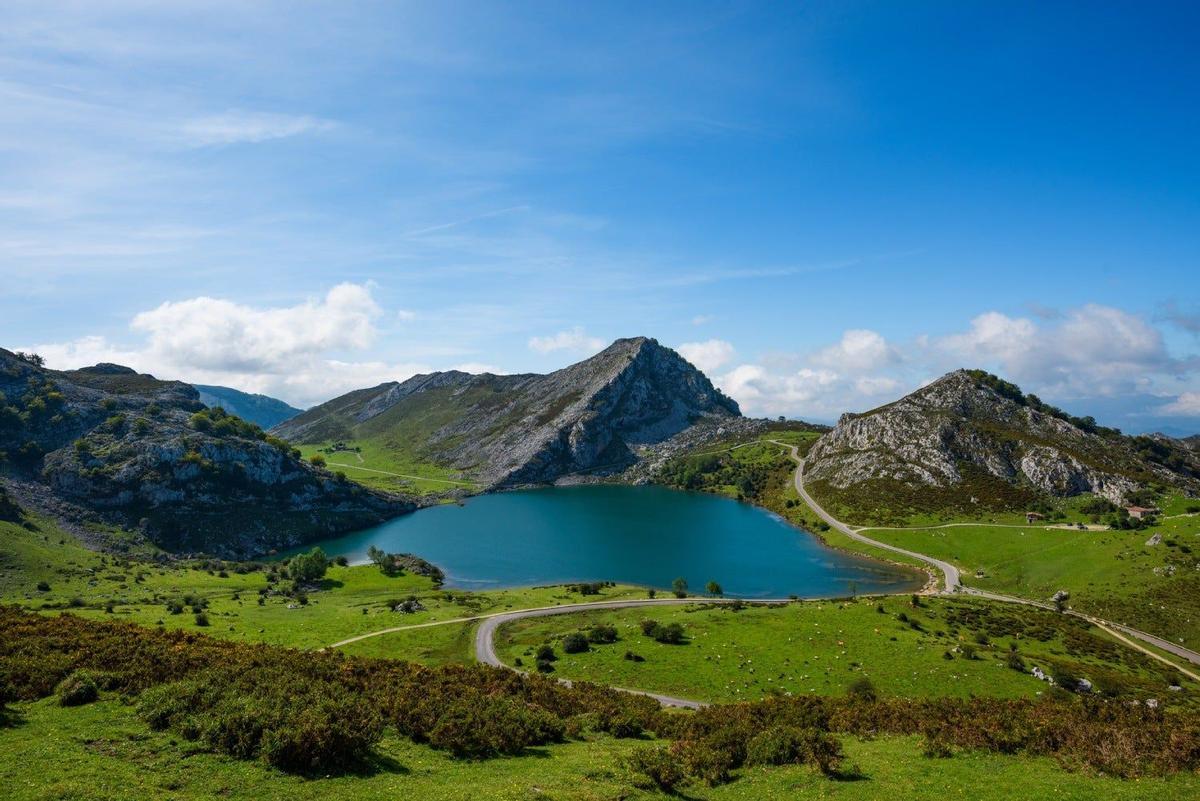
(970, 439)
(508, 430)
(261, 410)
(108, 444)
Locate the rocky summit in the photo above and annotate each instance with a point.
(508, 430)
(106, 444)
(988, 443)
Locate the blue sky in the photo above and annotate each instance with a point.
(823, 204)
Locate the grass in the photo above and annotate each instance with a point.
(351, 601)
(822, 647)
(102, 752)
(385, 466)
(1112, 574)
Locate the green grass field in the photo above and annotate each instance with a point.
(382, 465)
(1112, 574)
(102, 752)
(352, 601)
(822, 647)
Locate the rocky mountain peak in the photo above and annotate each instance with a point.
(529, 428)
(972, 429)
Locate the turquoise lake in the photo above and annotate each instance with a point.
(637, 535)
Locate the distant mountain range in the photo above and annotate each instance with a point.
(506, 430)
(261, 410)
(973, 441)
(107, 444)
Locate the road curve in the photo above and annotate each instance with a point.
(954, 585)
(485, 635)
(949, 571)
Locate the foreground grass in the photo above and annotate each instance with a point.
(822, 647)
(102, 752)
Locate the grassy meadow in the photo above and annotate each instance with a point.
(942, 648)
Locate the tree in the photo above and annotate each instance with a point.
(679, 586)
(713, 589)
(317, 460)
(308, 567)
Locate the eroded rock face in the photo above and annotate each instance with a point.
(960, 422)
(526, 429)
(122, 444)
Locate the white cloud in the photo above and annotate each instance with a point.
(248, 127)
(710, 355)
(1186, 405)
(702, 319)
(1090, 351)
(572, 340)
(213, 334)
(290, 352)
(859, 350)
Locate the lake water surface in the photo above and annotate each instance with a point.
(638, 535)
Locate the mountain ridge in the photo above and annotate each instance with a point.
(262, 410)
(528, 428)
(106, 444)
(970, 431)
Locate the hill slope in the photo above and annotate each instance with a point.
(108, 443)
(262, 410)
(506, 430)
(970, 440)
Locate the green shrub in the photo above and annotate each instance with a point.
(862, 689)
(575, 643)
(656, 768)
(788, 745)
(77, 689)
(602, 634)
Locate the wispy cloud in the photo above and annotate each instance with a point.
(248, 127)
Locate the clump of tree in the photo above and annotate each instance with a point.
(669, 634)
(307, 568)
(395, 564)
(680, 587)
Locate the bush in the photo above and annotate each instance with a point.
(545, 653)
(575, 643)
(484, 726)
(201, 619)
(308, 567)
(43, 586)
(77, 689)
(602, 634)
(657, 767)
(649, 627)
(789, 745)
(861, 689)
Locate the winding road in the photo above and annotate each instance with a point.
(950, 574)
(485, 635)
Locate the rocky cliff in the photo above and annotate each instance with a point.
(974, 437)
(145, 454)
(524, 429)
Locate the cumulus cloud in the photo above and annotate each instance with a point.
(859, 350)
(213, 334)
(1186, 405)
(290, 352)
(571, 340)
(1092, 350)
(710, 355)
(249, 127)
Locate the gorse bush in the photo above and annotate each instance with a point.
(79, 688)
(322, 712)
